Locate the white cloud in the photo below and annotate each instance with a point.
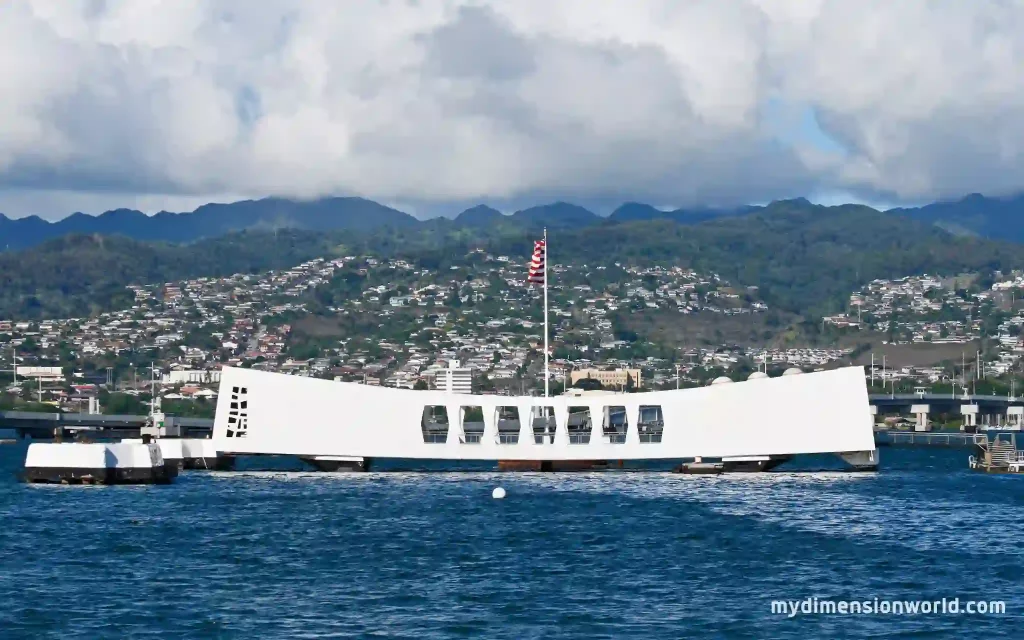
(426, 101)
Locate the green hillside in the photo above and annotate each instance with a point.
(82, 274)
(805, 258)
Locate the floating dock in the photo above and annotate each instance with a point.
(201, 454)
(96, 463)
(741, 464)
(191, 453)
(337, 463)
(893, 438)
(999, 455)
(170, 450)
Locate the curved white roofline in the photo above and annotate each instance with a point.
(270, 413)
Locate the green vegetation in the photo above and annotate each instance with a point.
(79, 275)
(805, 259)
(199, 408)
(124, 403)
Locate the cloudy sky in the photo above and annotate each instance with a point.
(434, 104)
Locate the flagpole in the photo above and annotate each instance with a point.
(547, 377)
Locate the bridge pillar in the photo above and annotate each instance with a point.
(1014, 417)
(970, 413)
(920, 412)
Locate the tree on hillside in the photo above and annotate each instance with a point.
(122, 404)
(588, 384)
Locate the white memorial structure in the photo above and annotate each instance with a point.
(749, 425)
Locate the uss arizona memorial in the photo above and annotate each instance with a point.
(751, 425)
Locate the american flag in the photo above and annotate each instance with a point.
(537, 263)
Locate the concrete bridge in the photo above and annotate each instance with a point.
(42, 425)
(977, 410)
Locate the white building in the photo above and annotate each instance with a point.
(768, 419)
(457, 379)
(191, 376)
(47, 374)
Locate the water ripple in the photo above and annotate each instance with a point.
(431, 555)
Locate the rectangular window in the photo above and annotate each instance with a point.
(579, 425)
(434, 424)
(614, 425)
(651, 424)
(544, 425)
(508, 425)
(472, 425)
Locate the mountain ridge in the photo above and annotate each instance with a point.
(209, 221)
(975, 214)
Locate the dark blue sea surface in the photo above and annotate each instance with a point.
(584, 555)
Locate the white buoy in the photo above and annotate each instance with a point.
(498, 493)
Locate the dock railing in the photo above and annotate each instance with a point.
(949, 439)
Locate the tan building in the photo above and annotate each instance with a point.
(613, 379)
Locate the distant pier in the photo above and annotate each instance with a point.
(96, 426)
(895, 438)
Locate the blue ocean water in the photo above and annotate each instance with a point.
(585, 555)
